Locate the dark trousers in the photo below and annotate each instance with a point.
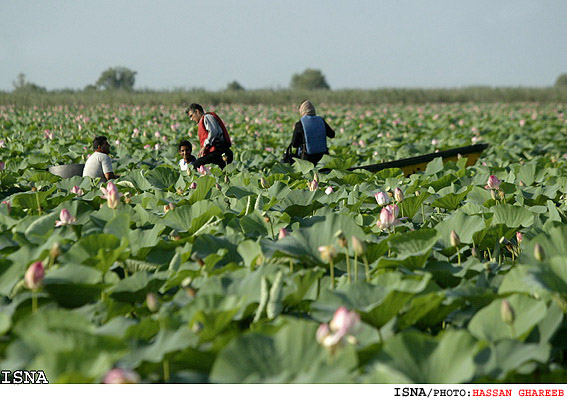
(215, 158)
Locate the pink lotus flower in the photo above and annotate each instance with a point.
(344, 322)
(121, 376)
(34, 275)
(398, 195)
(117, 142)
(204, 170)
(387, 219)
(394, 209)
(147, 146)
(493, 182)
(329, 190)
(77, 190)
(193, 185)
(283, 233)
(168, 207)
(157, 134)
(434, 142)
(2, 143)
(519, 237)
(65, 218)
(313, 185)
(156, 146)
(111, 195)
(522, 122)
(382, 198)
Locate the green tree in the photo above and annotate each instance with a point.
(21, 85)
(234, 86)
(117, 78)
(310, 79)
(561, 81)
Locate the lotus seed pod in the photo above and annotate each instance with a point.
(455, 239)
(358, 246)
(327, 253)
(507, 312)
(152, 302)
(539, 254)
(341, 239)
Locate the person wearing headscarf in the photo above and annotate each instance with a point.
(310, 134)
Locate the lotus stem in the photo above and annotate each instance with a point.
(348, 265)
(291, 266)
(166, 370)
(38, 203)
(34, 301)
(366, 268)
(355, 267)
(332, 267)
(458, 256)
(513, 330)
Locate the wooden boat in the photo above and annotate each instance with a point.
(416, 164)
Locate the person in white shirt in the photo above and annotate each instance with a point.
(185, 148)
(99, 164)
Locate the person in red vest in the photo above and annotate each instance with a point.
(213, 137)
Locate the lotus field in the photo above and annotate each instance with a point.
(269, 273)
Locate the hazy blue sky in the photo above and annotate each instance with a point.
(261, 43)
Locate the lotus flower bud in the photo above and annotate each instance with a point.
(521, 183)
(189, 171)
(193, 185)
(501, 195)
(358, 246)
(226, 179)
(34, 275)
(455, 239)
(329, 190)
(77, 190)
(316, 177)
(507, 312)
(539, 254)
(152, 302)
(8, 205)
(263, 183)
(398, 195)
(121, 376)
(327, 253)
(111, 195)
(519, 237)
(382, 198)
(218, 186)
(503, 241)
(493, 182)
(283, 233)
(224, 157)
(344, 320)
(474, 252)
(322, 332)
(65, 218)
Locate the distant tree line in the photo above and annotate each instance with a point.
(116, 86)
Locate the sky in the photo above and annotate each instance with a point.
(364, 44)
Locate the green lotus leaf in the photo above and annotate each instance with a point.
(420, 358)
(162, 177)
(292, 355)
(487, 324)
(511, 216)
(464, 225)
(451, 201)
(134, 288)
(204, 185)
(507, 356)
(100, 251)
(413, 243)
(74, 285)
(411, 205)
(191, 218)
